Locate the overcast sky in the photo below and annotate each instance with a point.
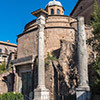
(15, 14)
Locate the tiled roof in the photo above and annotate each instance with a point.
(6, 43)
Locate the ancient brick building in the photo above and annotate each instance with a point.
(8, 52)
(60, 40)
(6, 49)
(84, 8)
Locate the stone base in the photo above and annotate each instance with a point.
(83, 93)
(41, 94)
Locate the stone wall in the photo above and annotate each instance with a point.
(27, 44)
(57, 28)
(61, 74)
(6, 50)
(84, 8)
(55, 35)
(6, 82)
(60, 42)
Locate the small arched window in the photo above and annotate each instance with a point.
(58, 12)
(0, 50)
(52, 12)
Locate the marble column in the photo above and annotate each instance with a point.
(83, 88)
(41, 66)
(41, 92)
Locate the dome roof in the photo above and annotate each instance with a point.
(51, 3)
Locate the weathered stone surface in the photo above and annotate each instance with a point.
(27, 44)
(82, 92)
(60, 38)
(57, 28)
(6, 82)
(41, 93)
(41, 65)
(68, 70)
(7, 50)
(82, 53)
(61, 75)
(20, 60)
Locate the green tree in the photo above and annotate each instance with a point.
(95, 23)
(2, 67)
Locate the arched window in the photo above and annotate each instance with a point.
(52, 12)
(0, 50)
(58, 12)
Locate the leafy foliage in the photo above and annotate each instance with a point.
(3, 67)
(11, 96)
(50, 58)
(95, 23)
(96, 85)
(47, 60)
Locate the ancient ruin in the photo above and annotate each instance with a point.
(53, 56)
(82, 92)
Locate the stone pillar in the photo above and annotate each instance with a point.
(14, 76)
(41, 93)
(83, 89)
(41, 66)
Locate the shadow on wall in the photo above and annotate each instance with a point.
(95, 97)
(61, 88)
(55, 82)
(35, 75)
(65, 72)
(9, 80)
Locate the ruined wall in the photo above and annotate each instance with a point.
(6, 82)
(60, 42)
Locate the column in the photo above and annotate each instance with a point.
(14, 78)
(41, 66)
(83, 88)
(41, 93)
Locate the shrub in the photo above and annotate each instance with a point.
(48, 59)
(11, 96)
(3, 67)
(96, 84)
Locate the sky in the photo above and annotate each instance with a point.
(15, 14)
